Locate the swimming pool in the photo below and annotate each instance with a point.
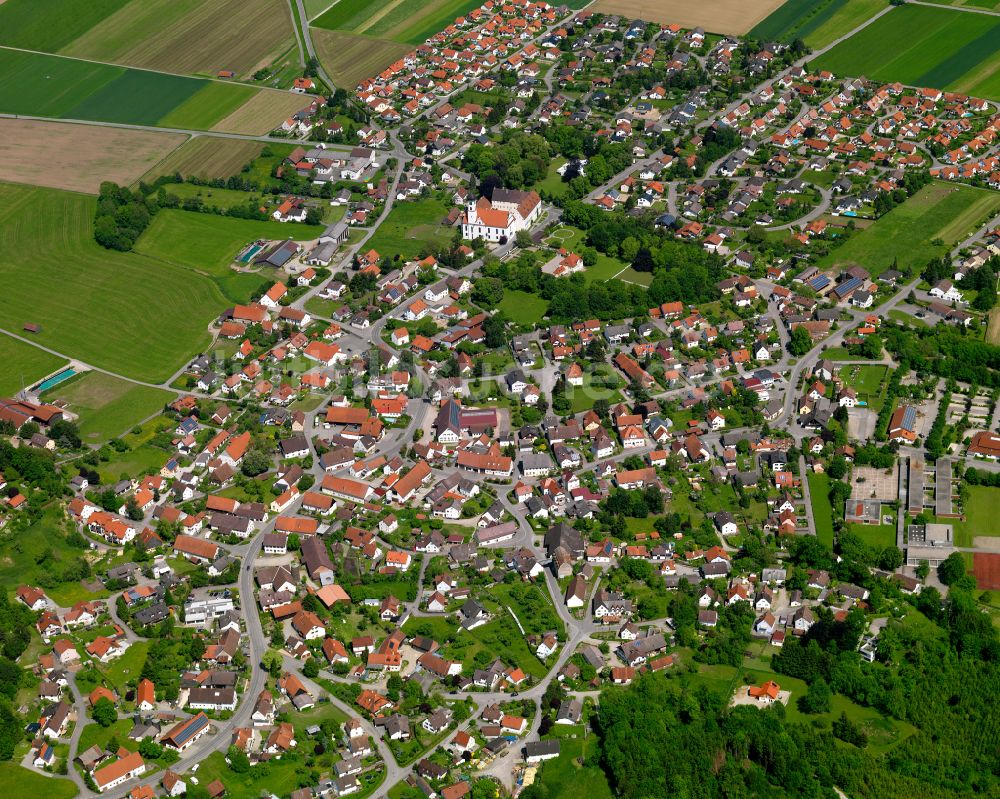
(55, 380)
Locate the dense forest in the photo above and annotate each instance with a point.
(937, 668)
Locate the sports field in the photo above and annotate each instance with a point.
(715, 16)
(34, 152)
(37, 84)
(206, 157)
(924, 46)
(124, 312)
(209, 243)
(107, 406)
(409, 227)
(350, 58)
(817, 22)
(190, 36)
(938, 211)
(23, 364)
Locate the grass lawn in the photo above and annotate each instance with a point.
(523, 308)
(876, 535)
(94, 733)
(23, 365)
(938, 211)
(22, 782)
(209, 243)
(923, 46)
(819, 490)
(981, 503)
(564, 778)
(276, 778)
(583, 397)
(108, 406)
(127, 668)
(410, 226)
(124, 312)
(553, 182)
(868, 380)
(907, 319)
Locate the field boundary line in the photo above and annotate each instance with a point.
(970, 9)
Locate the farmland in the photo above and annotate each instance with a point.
(905, 234)
(350, 58)
(206, 157)
(817, 22)
(33, 152)
(23, 365)
(408, 21)
(190, 36)
(209, 243)
(74, 89)
(721, 16)
(107, 406)
(409, 227)
(51, 24)
(924, 46)
(113, 309)
(261, 113)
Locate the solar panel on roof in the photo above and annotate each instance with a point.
(909, 418)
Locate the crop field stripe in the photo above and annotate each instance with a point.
(137, 97)
(207, 157)
(210, 104)
(786, 18)
(51, 24)
(43, 85)
(346, 15)
(428, 24)
(964, 59)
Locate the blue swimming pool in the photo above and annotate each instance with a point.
(55, 380)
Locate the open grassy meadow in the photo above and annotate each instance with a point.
(33, 152)
(817, 22)
(206, 157)
(134, 315)
(23, 365)
(190, 36)
(819, 491)
(938, 211)
(565, 777)
(209, 243)
(18, 781)
(523, 308)
(107, 406)
(38, 84)
(411, 225)
(924, 46)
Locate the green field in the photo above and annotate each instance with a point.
(924, 46)
(51, 24)
(819, 491)
(565, 778)
(23, 364)
(522, 307)
(108, 406)
(125, 312)
(407, 21)
(346, 15)
(980, 510)
(876, 535)
(37, 84)
(209, 243)
(938, 211)
(410, 227)
(437, 20)
(212, 102)
(867, 381)
(31, 553)
(17, 781)
(817, 22)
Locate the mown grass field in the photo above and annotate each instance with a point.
(209, 243)
(18, 781)
(51, 24)
(190, 36)
(121, 311)
(37, 84)
(565, 778)
(34, 152)
(819, 491)
(523, 308)
(410, 226)
(924, 46)
(938, 211)
(23, 365)
(107, 406)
